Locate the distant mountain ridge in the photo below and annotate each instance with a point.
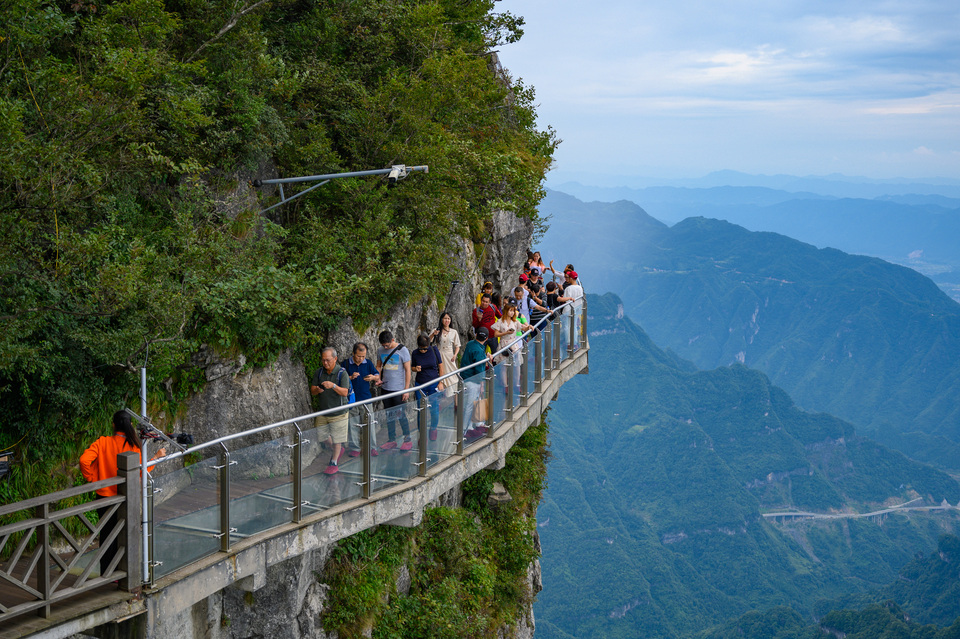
(651, 523)
(916, 230)
(835, 184)
(871, 342)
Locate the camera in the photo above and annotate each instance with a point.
(397, 172)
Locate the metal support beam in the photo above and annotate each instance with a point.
(297, 461)
(461, 411)
(491, 389)
(366, 484)
(422, 406)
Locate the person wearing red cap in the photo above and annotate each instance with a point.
(572, 292)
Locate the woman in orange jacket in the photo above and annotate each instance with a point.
(99, 461)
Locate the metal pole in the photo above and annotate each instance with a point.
(422, 428)
(491, 419)
(297, 462)
(461, 411)
(150, 577)
(557, 333)
(538, 361)
(224, 469)
(583, 322)
(349, 174)
(365, 438)
(525, 375)
(508, 373)
(146, 550)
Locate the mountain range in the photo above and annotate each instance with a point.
(652, 524)
(871, 342)
(912, 228)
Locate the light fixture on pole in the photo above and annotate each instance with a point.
(394, 174)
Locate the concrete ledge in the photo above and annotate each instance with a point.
(245, 565)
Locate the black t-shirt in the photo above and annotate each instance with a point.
(428, 362)
(536, 289)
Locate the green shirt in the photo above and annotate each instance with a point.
(327, 397)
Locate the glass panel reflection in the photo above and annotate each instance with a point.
(261, 493)
(186, 515)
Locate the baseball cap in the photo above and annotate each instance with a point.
(534, 271)
(572, 275)
(523, 277)
(483, 333)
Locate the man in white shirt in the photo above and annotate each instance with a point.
(572, 292)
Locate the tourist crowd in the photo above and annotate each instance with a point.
(498, 318)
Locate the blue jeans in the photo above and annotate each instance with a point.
(434, 406)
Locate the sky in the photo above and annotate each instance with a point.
(683, 88)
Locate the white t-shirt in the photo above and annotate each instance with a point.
(508, 325)
(574, 291)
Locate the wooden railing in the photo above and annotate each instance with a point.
(37, 572)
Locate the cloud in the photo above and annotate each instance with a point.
(859, 78)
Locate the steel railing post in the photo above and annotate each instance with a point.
(490, 389)
(583, 322)
(224, 469)
(422, 428)
(297, 461)
(571, 345)
(461, 411)
(525, 374)
(508, 365)
(366, 483)
(557, 333)
(152, 563)
(538, 360)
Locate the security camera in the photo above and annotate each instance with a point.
(397, 172)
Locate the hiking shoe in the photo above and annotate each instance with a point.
(389, 446)
(373, 452)
(354, 453)
(433, 435)
(331, 469)
(406, 445)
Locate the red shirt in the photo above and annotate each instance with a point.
(485, 317)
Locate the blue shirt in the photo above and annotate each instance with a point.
(361, 389)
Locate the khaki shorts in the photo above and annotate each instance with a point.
(333, 426)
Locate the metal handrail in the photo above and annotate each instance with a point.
(337, 409)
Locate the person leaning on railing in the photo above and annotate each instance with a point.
(99, 462)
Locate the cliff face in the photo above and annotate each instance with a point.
(237, 398)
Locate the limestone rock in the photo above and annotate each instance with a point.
(498, 496)
(236, 399)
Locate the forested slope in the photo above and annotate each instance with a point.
(652, 518)
(129, 133)
(870, 342)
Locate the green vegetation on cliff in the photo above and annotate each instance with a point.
(467, 566)
(129, 132)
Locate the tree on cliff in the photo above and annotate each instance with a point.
(129, 131)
